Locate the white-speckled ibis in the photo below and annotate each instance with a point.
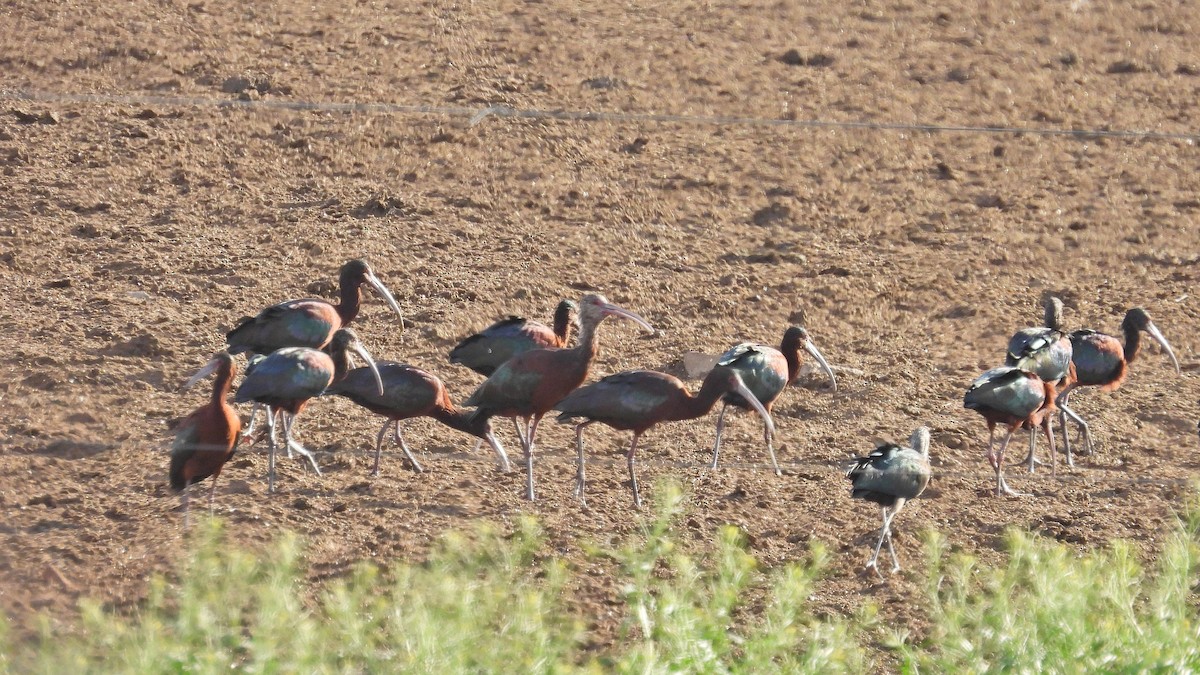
(529, 384)
(1045, 351)
(205, 440)
(484, 351)
(288, 378)
(890, 476)
(1101, 361)
(410, 392)
(766, 371)
(637, 400)
(1015, 398)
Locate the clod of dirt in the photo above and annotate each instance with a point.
(1125, 67)
(302, 504)
(603, 83)
(144, 344)
(47, 501)
(944, 172)
(793, 57)
(381, 207)
(30, 118)
(636, 147)
(773, 214)
(1187, 69)
(59, 283)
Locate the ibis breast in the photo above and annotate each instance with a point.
(1099, 359)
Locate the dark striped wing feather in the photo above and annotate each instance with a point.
(890, 473)
(625, 401)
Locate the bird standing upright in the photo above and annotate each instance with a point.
(1014, 398)
(529, 384)
(890, 476)
(206, 439)
(1100, 361)
(765, 372)
(411, 392)
(637, 400)
(288, 378)
(1046, 352)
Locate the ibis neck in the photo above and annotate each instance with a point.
(341, 365)
(350, 299)
(791, 353)
(703, 402)
(588, 340)
(461, 420)
(223, 382)
(1133, 343)
(562, 325)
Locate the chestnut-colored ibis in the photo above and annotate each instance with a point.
(766, 371)
(1015, 398)
(1101, 361)
(288, 378)
(410, 392)
(205, 440)
(637, 400)
(529, 384)
(890, 476)
(484, 351)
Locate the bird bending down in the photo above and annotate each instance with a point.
(1046, 352)
(309, 322)
(411, 392)
(765, 372)
(637, 400)
(1100, 361)
(207, 438)
(890, 476)
(529, 384)
(1014, 398)
(289, 378)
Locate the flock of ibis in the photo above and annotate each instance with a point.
(299, 350)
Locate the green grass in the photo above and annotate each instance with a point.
(486, 601)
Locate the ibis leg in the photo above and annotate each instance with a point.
(522, 434)
(888, 534)
(629, 460)
(477, 446)
(379, 445)
(505, 467)
(579, 463)
(212, 492)
(249, 431)
(1002, 486)
(533, 425)
(271, 452)
(407, 453)
(1046, 428)
(288, 420)
(720, 428)
(184, 498)
(1087, 433)
(771, 448)
(871, 564)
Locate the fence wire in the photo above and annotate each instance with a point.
(475, 115)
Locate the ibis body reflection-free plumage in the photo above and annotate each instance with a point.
(1101, 361)
(1015, 398)
(205, 440)
(484, 351)
(287, 379)
(890, 476)
(531, 383)
(765, 372)
(637, 400)
(411, 392)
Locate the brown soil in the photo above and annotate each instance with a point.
(133, 235)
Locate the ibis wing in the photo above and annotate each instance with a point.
(623, 401)
(287, 374)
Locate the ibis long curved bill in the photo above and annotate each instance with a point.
(816, 354)
(208, 369)
(740, 387)
(384, 293)
(609, 309)
(1162, 341)
(357, 348)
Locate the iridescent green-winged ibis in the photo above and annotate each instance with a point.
(766, 371)
(1015, 398)
(529, 384)
(288, 378)
(637, 400)
(1101, 361)
(1045, 351)
(484, 351)
(411, 392)
(206, 439)
(309, 322)
(890, 476)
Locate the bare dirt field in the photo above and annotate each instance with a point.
(134, 234)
